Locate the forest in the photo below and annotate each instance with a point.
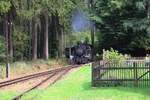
(42, 29)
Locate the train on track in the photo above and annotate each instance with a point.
(79, 54)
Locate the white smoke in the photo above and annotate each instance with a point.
(80, 21)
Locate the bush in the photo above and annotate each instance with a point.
(113, 56)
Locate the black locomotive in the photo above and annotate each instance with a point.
(79, 54)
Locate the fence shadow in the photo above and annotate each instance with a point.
(145, 91)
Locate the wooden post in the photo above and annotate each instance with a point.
(7, 70)
(149, 69)
(135, 74)
(93, 75)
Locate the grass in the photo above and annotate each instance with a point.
(28, 67)
(77, 86)
(7, 95)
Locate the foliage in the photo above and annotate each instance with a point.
(20, 43)
(113, 56)
(124, 25)
(4, 6)
(121, 24)
(58, 11)
(75, 37)
(2, 49)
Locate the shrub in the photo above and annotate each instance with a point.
(113, 56)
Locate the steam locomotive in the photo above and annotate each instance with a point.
(79, 54)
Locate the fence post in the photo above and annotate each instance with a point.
(95, 74)
(149, 70)
(135, 74)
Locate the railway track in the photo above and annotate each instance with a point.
(32, 76)
(60, 72)
(63, 72)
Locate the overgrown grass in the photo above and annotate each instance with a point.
(77, 86)
(28, 67)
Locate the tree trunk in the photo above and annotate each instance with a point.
(30, 40)
(45, 33)
(62, 43)
(148, 11)
(57, 32)
(5, 29)
(10, 41)
(92, 39)
(34, 39)
(59, 35)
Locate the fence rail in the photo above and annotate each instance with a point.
(125, 73)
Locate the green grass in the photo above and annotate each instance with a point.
(7, 95)
(77, 86)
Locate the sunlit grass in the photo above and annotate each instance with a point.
(77, 86)
(7, 95)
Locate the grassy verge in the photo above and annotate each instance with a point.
(77, 86)
(28, 67)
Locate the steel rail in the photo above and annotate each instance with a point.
(32, 76)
